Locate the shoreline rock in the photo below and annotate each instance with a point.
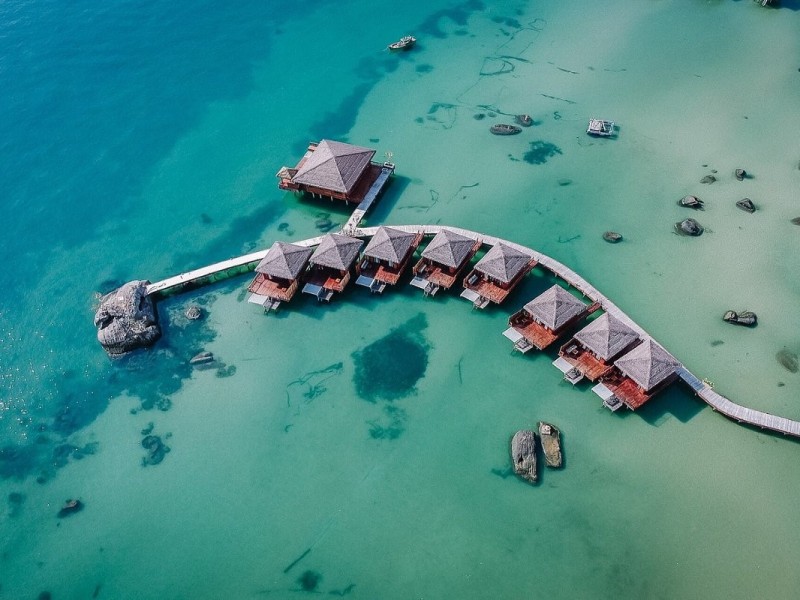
(612, 237)
(689, 227)
(746, 205)
(747, 318)
(691, 202)
(550, 436)
(127, 319)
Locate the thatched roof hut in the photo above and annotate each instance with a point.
(606, 336)
(648, 364)
(389, 244)
(284, 260)
(503, 263)
(449, 248)
(555, 307)
(334, 166)
(336, 251)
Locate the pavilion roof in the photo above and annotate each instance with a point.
(449, 248)
(334, 166)
(555, 307)
(606, 336)
(284, 260)
(336, 251)
(648, 364)
(390, 244)
(503, 262)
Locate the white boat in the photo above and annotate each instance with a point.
(404, 43)
(601, 128)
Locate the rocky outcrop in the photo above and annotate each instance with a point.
(156, 450)
(70, 507)
(524, 120)
(740, 174)
(193, 313)
(746, 205)
(523, 454)
(126, 319)
(612, 237)
(743, 318)
(691, 202)
(689, 227)
(550, 436)
(708, 179)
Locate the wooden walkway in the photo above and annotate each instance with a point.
(720, 403)
(366, 203)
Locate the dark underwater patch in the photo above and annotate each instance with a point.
(391, 367)
(540, 151)
(458, 14)
(390, 429)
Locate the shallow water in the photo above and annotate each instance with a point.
(296, 465)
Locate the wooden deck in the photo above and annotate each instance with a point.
(370, 196)
(276, 290)
(329, 280)
(626, 390)
(741, 414)
(587, 363)
(490, 290)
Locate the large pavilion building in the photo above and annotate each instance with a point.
(330, 265)
(442, 260)
(496, 275)
(335, 170)
(278, 274)
(545, 318)
(385, 258)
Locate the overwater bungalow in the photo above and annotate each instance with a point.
(637, 376)
(330, 265)
(385, 258)
(278, 274)
(337, 171)
(496, 275)
(545, 318)
(442, 261)
(592, 350)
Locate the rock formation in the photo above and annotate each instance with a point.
(193, 313)
(740, 174)
(691, 202)
(743, 318)
(689, 227)
(126, 319)
(156, 450)
(708, 179)
(612, 237)
(523, 454)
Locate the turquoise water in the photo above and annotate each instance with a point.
(142, 139)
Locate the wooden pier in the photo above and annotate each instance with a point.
(369, 199)
(704, 390)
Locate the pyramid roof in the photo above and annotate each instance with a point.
(648, 364)
(449, 248)
(334, 166)
(606, 336)
(284, 260)
(503, 262)
(336, 251)
(555, 307)
(390, 244)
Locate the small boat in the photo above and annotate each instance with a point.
(523, 454)
(551, 444)
(505, 129)
(601, 128)
(404, 43)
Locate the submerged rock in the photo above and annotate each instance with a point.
(203, 357)
(70, 507)
(523, 455)
(156, 450)
(689, 227)
(740, 174)
(708, 179)
(788, 359)
(691, 202)
(746, 205)
(795, 221)
(612, 237)
(743, 318)
(126, 319)
(193, 313)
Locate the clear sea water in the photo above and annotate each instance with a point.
(361, 449)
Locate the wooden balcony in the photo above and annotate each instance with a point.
(282, 290)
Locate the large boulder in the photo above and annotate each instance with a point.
(126, 319)
(691, 202)
(523, 454)
(750, 319)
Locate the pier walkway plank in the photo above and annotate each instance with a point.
(703, 389)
